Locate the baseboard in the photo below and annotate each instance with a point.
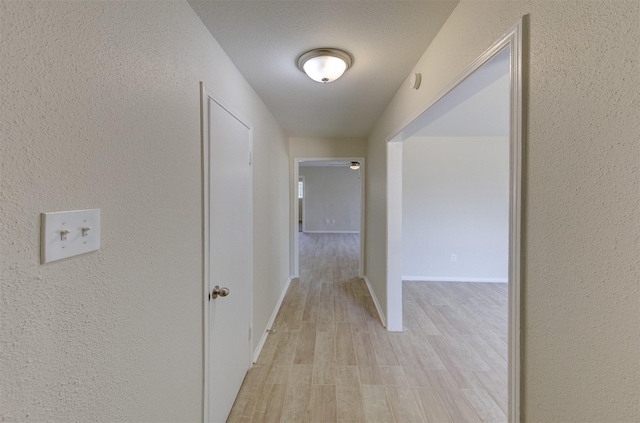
(272, 319)
(331, 232)
(452, 279)
(383, 319)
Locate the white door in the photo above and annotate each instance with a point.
(227, 203)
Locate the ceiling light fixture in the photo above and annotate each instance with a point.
(355, 165)
(324, 64)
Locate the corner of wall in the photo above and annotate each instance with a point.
(383, 318)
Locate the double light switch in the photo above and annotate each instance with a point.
(69, 233)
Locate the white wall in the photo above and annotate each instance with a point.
(581, 256)
(101, 108)
(331, 193)
(455, 201)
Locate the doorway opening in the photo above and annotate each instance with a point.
(508, 48)
(456, 184)
(332, 201)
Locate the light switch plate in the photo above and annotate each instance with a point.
(69, 233)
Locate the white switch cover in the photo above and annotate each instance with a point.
(69, 233)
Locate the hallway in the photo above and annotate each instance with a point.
(329, 359)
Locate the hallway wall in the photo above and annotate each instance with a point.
(101, 108)
(581, 199)
(317, 147)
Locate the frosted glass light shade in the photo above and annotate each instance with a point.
(325, 68)
(324, 65)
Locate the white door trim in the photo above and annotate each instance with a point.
(295, 254)
(512, 39)
(205, 94)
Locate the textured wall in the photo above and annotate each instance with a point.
(101, 108)
(581, 327)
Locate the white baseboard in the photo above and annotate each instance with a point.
(331, 232)
(272, 319)
(383, 319)
(452, 279)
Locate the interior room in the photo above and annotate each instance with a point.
(455, 183)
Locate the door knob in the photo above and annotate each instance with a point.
(217, 291)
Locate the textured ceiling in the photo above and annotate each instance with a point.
(386, 38)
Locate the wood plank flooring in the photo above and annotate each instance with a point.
(328, 358)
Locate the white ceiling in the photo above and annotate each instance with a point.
(264, 37)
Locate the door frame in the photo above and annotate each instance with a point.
(295, 250)
(512, 39)
(205, 94)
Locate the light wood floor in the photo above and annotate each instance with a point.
(328, 358)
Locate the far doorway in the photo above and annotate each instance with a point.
(329, 199)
